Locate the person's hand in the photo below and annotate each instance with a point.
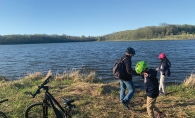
(145, 75)
(157, 69)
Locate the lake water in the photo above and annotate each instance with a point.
(16, 61)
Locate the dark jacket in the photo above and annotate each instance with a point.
(165, 67)
(151, 84)
(128, 70)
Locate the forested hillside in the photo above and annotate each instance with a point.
(154, 32)
(163, 31)
(42, 38)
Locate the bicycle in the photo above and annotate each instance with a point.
(49, 107)
(2, 115)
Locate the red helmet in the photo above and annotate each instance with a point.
(161, 55)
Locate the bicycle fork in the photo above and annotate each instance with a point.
(45, 109)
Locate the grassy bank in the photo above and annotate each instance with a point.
(95, 99)
(177, 37)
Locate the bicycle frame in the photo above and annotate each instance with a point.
(50, 101)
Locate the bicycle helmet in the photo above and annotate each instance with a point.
(140, 67)
(161, 55)
(130, 51)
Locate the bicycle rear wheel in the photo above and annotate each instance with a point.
(2, 115)
(36, 111)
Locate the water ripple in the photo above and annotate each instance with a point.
(18, 60)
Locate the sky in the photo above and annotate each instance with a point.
(90, 17)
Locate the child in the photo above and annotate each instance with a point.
(164, 71)
(151, 86)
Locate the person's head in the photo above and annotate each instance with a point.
(161, 55)
(141, 66)
(130, 51)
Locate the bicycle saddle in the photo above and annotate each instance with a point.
(67, 101)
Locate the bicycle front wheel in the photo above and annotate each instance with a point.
(37, 110)
(2, 115)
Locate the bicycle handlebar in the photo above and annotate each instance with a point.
(3, 100)
(44, 83)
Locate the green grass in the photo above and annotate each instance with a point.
(94, 98)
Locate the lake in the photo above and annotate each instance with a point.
(16, 61)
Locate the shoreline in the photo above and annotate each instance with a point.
(94, 98)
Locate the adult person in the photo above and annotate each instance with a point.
(126, 81)
(164, 69)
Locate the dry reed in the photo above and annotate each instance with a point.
(190, 81)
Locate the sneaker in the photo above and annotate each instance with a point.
(162, 93)
(125, 105)
(160, 115)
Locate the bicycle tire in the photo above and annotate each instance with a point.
(36, 111)
(2, 115)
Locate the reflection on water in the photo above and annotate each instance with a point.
(18, 60)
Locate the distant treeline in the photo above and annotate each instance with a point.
(163, 31)
(154, 32)
(42, 38)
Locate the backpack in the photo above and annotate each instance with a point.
(118, 69)
(168, 73)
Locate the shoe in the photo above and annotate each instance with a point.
(160, 115)
(125, 105)
(162, 93)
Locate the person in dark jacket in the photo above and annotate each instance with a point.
(164, 69)
(126, 81)
(151, 87)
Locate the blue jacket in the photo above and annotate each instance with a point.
(151, 84)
